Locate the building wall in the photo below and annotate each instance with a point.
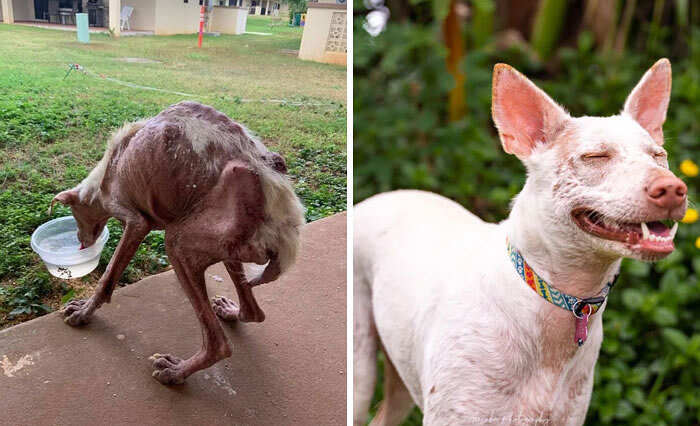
(228, 20)
(176, 17)
(325, 35)
(144, 15)
(282, 12)
(105, 13)
(23, 10)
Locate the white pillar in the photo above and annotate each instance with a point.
(8, 13)
(115, 10)
(267, 8)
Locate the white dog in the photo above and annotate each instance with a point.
(485, 323)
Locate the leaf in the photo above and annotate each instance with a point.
(40, 307)
(696, 265)
(664, 316)
(682, 12)
(67, 297)
(440, 9)
(669, 280)
(637, 268)
(672, 259)
(636, 396)
(624, 409)
(547, 24)
(585, 41)
(675, 408)
(675, 337)
(632, 298)
(19, 311)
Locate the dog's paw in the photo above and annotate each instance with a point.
(76, 312)
(225, 308)
(168, 369)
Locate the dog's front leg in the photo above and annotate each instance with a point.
(78, 312)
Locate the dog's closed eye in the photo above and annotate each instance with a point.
(596, 155)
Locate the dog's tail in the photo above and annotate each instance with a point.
(284, 217)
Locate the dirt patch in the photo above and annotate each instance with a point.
(291, 52)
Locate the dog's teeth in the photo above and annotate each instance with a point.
(645, 231)
(672, 235)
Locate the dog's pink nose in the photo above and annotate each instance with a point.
(667, 192)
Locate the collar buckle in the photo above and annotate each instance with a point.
(582, 303)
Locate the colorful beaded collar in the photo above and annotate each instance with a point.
(580, 308)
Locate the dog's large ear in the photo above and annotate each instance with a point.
(67, 197)
(524, 115)
(648, 102)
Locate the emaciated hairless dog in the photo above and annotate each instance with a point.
(218, 193)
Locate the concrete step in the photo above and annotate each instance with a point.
(288, 370)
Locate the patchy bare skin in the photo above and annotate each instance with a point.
(198, 175)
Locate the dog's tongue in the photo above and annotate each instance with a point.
(658, 228)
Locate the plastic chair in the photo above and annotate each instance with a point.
(126, 14)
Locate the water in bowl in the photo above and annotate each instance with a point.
(72, 271)
(65, 243)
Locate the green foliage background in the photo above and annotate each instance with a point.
(649, 366)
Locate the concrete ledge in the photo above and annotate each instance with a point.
(327, 6)
(287, 370)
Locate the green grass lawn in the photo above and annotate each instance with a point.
(269, 24)
(53, 130)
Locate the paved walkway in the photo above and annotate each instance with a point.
(62, 27)
(288, 370)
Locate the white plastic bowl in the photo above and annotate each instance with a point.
(56, 242)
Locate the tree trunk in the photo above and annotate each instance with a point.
(455, 45)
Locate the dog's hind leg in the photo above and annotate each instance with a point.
(397, 401)
(189, 267)
(227, 309)
(239, 191)
(364, 351)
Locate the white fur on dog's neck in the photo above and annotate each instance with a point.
(546, 246)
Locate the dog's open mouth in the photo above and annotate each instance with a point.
(652, 237)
